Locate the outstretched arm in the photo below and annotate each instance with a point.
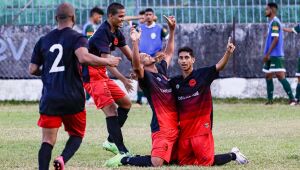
(170, 45)
(230, 49)
(288, 30)
(84, 57)
(136, 63)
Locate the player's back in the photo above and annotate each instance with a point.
(62, 85)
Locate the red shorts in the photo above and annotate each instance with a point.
(74, 124)
(198, 150)
(163, 144)
(104, 92)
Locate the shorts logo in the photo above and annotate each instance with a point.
(192, 83)
(110, 44)
(206, 125)
(159, 79)
(153, 35)
(116, 41)
(177, 86)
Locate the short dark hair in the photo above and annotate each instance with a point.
(142, 12)
(149, 10)
(64, 11)
(272, 5)
(186, 49)
(114, 7)
(96, 10)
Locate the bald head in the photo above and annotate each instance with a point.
(65, 12)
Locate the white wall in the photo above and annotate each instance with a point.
(30, 90)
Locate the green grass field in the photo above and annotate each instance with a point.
(268, 135)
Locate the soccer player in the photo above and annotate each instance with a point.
(152, 34)
(59, 54)
(153, 80)
(194, 106)
(95, 20)
(88, 30)
(274, 55)
(105, 92)
(296, 30)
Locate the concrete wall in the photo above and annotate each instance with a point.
(30, 90)
(207, 40)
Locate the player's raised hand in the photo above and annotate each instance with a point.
(114, 61)
(134, 34)
(159, 56)
(230, 46)
(128, 85)
(170, 21)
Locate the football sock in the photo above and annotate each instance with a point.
(87, 96)
(71, 147)
(287, 88)
(222, 159)
(122, 117)
(298, 92)
(144, 161)
(114, 130)
(44, 156)
(270, 88)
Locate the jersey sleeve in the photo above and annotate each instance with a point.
(164, 33)
(100, 41)
(162, 67)
(122, 40)
(143, 81)
(275, 29)
(81, 42)
(37, 56)
(208, 74)
(296, 29)
(89, 31)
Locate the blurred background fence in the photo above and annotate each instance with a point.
(41, 12)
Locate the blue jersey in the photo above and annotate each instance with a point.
(62, 84)
(151, 39)
(275, 30)
(159, 94)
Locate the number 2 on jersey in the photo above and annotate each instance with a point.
(55, 67)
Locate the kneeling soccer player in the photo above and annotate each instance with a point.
(194, 106)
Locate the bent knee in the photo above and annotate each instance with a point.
(157, 162)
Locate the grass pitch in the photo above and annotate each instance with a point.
(268, 135)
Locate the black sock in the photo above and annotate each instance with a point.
(71, 147)
(45, 156)
(114, 130)
(144, 161)
(122, 117)
(222, 159)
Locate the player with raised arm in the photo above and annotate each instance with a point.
(154, 81)
(195, 109)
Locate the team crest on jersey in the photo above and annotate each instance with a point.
(275, 28)
(192, 83)
(158, 78)
(116, 41)
(177, 86)
(153, 35)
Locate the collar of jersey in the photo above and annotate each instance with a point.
(151, 26)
